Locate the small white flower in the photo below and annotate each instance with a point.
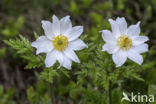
(124, 42)
(60, 42)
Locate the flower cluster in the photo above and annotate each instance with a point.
(61, 40)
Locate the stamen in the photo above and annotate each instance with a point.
(60, 42)
(124, 42)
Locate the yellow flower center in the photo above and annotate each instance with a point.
(60, 42)
(124, 42)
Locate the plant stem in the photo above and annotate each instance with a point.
(110, 92)
(51, 93)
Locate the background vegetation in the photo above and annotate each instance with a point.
(24, 78)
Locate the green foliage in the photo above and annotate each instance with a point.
(6, 97)
(103, 6)
(99, 72)
(120, 4)
(2, 52)
(22, 45)
(74, 8)
(32, 96)
(92, 96)
(13, 27)
(48, 74)
(93, 76)
(24, 48)
(97, 18)
(38, 96)
(87, 82)
(86, 3)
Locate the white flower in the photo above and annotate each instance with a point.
(60, 42)
(124, 42)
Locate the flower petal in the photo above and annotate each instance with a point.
(105, 47)
(67, 62)
(75, 32)
(43, 45)
(71, 54)
(77, 44)
(65, 25)
(122, 25)
(50, 58)
(111, 49)
(108, 37)
(115, 28)
(47, 26)
(135, 56)
(60, 57)
(139, 40)
(56, 25)
(119, 58)
(134, 30)
(141, 48)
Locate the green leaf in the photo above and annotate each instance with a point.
(24, 48)
(48, 74)
(22, 45)
(33, 96)
(73, 7)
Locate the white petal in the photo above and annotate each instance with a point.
(56, 25)
(139, 40)
(50, 58)
(122, 25)
(43, 45)
(110, 48)
(77, 44)
(67, 62)
(108, 37)
(75, 32)
(60, 57)
(135, 56)
(71, 54)
(47, 26)
(104, 47)
(119, 58)
(113, 50)
(115, 28)
(65, 25)
(134, 30)
(141, 48)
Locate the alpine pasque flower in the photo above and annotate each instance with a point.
(124, 42)
(60, 42)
